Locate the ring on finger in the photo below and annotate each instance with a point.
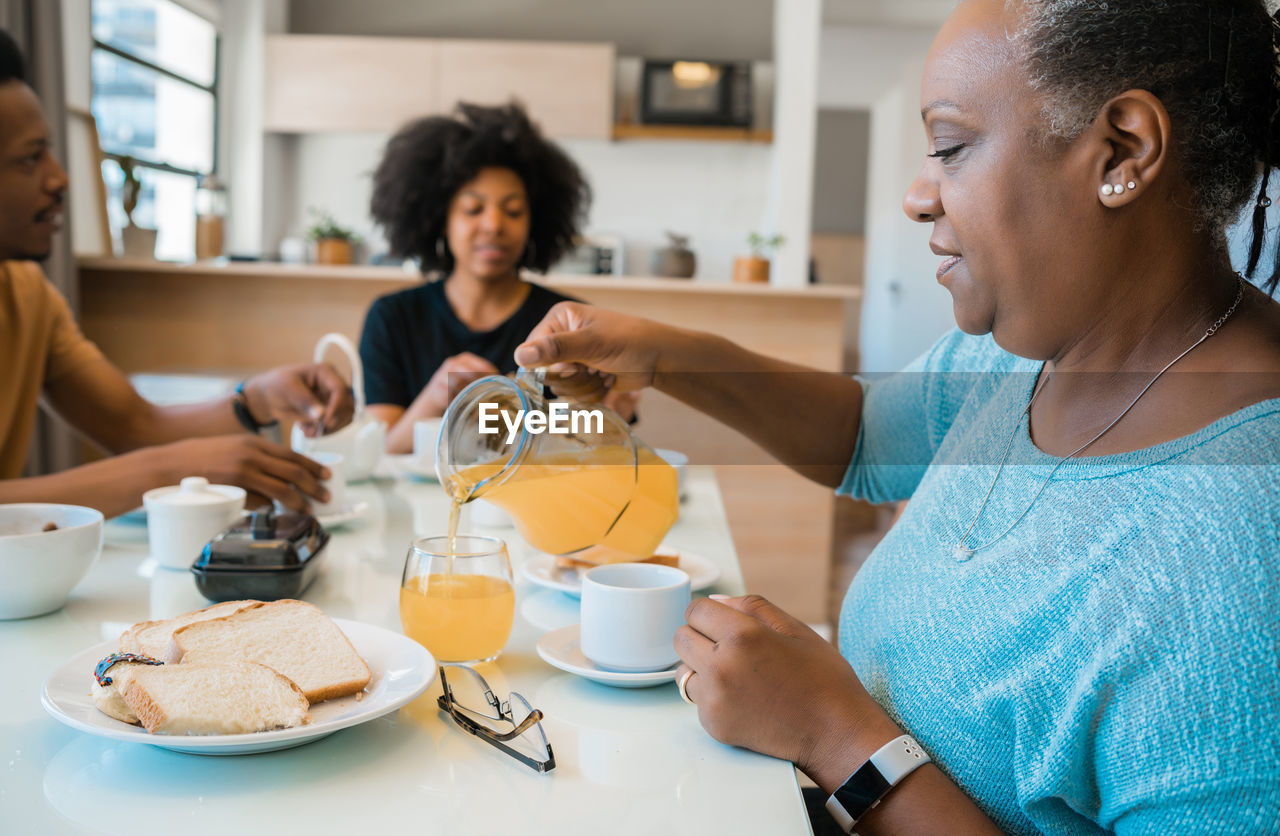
(682, 685)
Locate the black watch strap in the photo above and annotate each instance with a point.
(240, 406)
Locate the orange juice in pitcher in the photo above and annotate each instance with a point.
(594, 483)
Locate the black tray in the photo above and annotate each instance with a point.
(266, 557)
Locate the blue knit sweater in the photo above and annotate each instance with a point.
(1113, 663)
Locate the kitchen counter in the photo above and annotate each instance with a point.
(570, 284)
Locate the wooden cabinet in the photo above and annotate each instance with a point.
(324, 83)
(567, 88)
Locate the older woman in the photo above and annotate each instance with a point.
(474, 198)
(1075, 619)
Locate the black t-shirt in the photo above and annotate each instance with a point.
(409, 334)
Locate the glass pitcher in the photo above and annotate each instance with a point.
(591, 484)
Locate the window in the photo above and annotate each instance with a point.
(155, 84)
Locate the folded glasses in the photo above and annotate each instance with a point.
(520, 732)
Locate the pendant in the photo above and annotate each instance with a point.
(962, 553)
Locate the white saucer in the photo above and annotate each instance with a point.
(541, 569)
(563, 649)
(337, 519)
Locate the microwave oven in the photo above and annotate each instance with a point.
(696, 93)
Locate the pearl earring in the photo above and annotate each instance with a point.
(1132, 185)
(1107, 189)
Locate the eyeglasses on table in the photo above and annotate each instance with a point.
(468, 697)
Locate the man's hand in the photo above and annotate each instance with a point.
(312, 394)
(247, 461)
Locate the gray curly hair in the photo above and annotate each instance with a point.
(1213, 64)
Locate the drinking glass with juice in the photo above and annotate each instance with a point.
(596, 484)
(457, 600)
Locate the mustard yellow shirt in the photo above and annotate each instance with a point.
(39, 343)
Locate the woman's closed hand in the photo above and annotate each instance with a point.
(591, 351)
(765, 681)
(454, 375)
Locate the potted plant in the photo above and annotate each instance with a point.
(675, 260)
(333, 242)
(136, 241)
(755, 267)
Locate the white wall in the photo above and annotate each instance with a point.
(242, 148)
(878, 68)
(858, 64)
(715, 192)
(904, 310)
(77, 44)
(797, 25)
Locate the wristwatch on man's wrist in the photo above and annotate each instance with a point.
(240, 406)
(871, 782)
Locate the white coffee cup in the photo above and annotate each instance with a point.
(426, 439)
(630, 614)
(182, 518)
(680, 462)
(336, 484)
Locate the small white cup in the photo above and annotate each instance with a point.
(680, 462)
(630, 614)
(336, 484)
(426, 439)
(182, 518)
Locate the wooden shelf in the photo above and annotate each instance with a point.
(703, 133)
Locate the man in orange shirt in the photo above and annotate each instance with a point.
(44, 354)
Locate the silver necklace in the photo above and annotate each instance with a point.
(962, 552)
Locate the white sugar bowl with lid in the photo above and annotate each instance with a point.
(182, 518)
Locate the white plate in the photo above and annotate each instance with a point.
(402, 670)
(337, 518)
(542, 570)
(563, 649)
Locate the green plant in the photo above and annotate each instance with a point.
(326, 227)
(131, 189)
(763, 246)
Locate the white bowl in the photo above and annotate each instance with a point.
(39, 568)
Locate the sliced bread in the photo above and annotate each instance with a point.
(602, 555)
(155, 638)
(293, 638)
(203, 697)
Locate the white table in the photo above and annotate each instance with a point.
(628, 761)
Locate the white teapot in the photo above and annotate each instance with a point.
(361, 442)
